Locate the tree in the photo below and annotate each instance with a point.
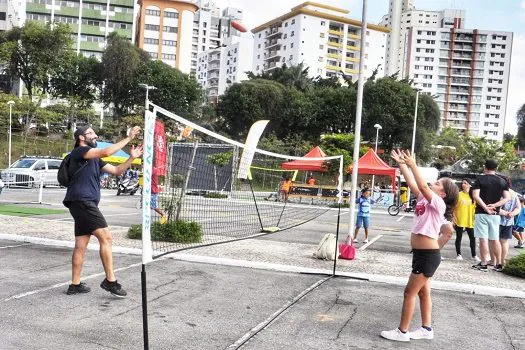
(120, 63)
(296, 76)
(478, 150)
(33, 51)
(175, 91)
(77, 79)
(520, 120)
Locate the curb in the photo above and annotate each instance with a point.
(392, 280)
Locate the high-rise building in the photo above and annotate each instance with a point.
(466, 69)
(91, 21)
(468, 72)
(322, 38)
(220, 67)
(12, 14)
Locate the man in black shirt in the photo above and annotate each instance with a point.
(490, 192)
(82, 198)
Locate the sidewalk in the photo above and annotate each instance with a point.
(386, 267)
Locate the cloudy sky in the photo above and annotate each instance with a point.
(506, 15)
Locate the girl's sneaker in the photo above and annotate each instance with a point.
(459, 257)
(396, 335)
(422, 333)
(475, 258)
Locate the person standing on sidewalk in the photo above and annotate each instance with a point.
(363, 214)
(507, 213)
(464, 219)
(517, 230)
(490, 192)
(82, 198)
(431, 230)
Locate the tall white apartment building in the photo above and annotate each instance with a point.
(402, 15)
(468, 72)
(12, 14)
(177, 31)
(221, 67)
(322, 38)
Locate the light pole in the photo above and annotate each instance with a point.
(148, 88)
(10, 104)
(378, 127)
(414, 135)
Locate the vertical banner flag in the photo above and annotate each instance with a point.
(160, 149)
(251, 144)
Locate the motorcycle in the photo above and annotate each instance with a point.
(128, 185)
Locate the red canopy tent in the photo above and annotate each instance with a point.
(371, 164)
(306, 164)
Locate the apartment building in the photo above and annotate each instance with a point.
(468, 72)
(91, 21)
(12, 14)
(221, 67)
(321, 37)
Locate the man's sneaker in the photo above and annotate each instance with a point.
(476, 265)
(355, 240)
(422, 333)
(519, 246)
(396, 335)
(114, 288)
(78, 289)
(498, 267)
(459, 257)
(483, 268)
(365, 241)
(475, 258)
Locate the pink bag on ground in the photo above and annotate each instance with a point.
(347, 250)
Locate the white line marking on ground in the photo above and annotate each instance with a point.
(369, 242)
(401, 218)
(58, 285)
(14, 246)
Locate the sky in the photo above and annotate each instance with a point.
(504, 15)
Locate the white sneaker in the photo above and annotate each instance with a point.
(355, 240)
(396, 335)
(365, 241)
(422, 333)
(459, 257)
(475, 258)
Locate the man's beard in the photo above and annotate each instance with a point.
(91, 143)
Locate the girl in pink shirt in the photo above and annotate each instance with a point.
(431, 229)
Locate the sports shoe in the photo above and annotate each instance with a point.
(498, 267)
(355, 240)
(365, 241)
(78, 289)
(459, 257)
(114, 288)
(396, 335)
(475, 258)
(422, 333)
(519, 246)
(483, 268)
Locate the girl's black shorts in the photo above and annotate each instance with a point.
(425, 261)
(87, 217)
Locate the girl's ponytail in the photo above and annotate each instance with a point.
(451, 197)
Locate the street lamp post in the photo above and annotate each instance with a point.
(148, 88)
(378, 127)
(10, 104)
(414, 135)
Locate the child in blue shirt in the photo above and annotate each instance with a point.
(519, 224)
(363, 214)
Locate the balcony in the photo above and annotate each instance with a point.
(464, 37)
(270, 66)
(272, 55)
(334, 44)
(274, 33)
(354, 36)
(334, 55)
(215, 58)
(352, 59)
(351, 71)
(335, 32)
(214, 67)
(352, 48)
(273, 43)
(333, 68)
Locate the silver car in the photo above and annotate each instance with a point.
(30, 171)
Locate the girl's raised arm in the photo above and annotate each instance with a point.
(397, 155)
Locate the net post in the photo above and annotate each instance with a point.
(147, 251)
(339, 200)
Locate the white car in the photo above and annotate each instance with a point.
(28, 171)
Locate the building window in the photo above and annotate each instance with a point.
(169, 14)
(320, 59)
(153, 13)
(291, 46)
(323, 23)
(204, 24)
(169, 29)
(167, 56)
(293, 21)
(321, 35)
(153, 27)
(292, 33)
(151, 41)
(321, 47)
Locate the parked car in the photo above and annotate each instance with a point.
(27, 171)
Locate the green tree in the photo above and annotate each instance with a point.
(175, 91)
(121, 62)
(78, 79)
(478, 150)
(34, 51)
(296, 76)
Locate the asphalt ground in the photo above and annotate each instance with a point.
(209, 306)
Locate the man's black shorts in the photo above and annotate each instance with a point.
(425, 261)
(87, 217)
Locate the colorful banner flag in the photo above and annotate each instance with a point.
(160, 147)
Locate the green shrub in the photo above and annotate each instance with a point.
(174, 231)
(516, 266)
(215, 195)
(336, 205)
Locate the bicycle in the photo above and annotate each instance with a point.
(394, 209)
